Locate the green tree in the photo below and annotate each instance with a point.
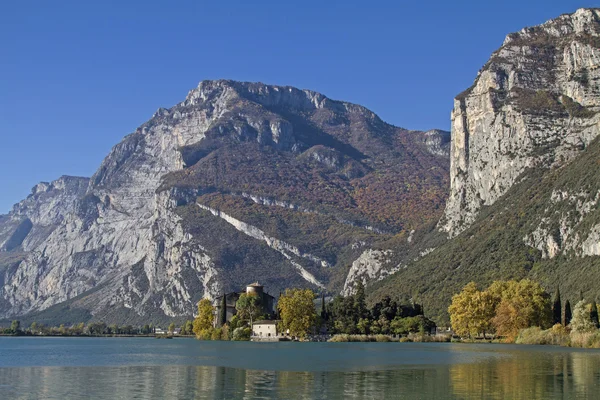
(581, 321)
(363, 326)
(360, 305)
(223, 310)
(171, 328)
(241, 333)
(189, 327)
(297, 311)
(15, 327)
(594, 313)
(567, 314)
(556, 308)
(248, 307)
(204, 321)
(146, 330)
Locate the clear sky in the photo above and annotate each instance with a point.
(77, 76)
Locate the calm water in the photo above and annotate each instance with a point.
(136, 368)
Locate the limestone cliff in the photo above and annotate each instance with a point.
(533, 104)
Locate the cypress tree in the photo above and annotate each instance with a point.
(223, 311)
(360, 305)
(323, 312)
(594, 313)
(557, 308)
(568, 313)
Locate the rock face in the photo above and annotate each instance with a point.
(525, 187)
(239, 182)
(533, 104)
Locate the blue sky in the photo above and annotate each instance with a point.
(75, 77)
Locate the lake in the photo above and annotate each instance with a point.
(141, 368)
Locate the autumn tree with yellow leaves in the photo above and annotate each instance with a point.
(297, 311)
(505, 308)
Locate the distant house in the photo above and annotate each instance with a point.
(264, 329)
(268, 302)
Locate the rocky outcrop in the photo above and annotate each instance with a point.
(534, 104)
(371, 266)
(31, 221)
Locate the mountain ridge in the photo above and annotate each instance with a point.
(289, 177)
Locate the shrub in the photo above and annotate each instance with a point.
(588, 340)
(382, 338)
(557, 335)
(241, 334)
(216, 334)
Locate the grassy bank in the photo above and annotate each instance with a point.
(560, 336)
(388, 338)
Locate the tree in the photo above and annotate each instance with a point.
(223, 310)
(15, 327)
(523, 304)
(146, 330)
(363, 326)
(471, 311)
(297, 311)
(248, 307)
(581, 321)
(204, 321)
(594, 314)
(360, 305)
(189, 327)
(567, 315)
(556, 308)
(171, 328)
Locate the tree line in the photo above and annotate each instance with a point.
(79, 329)
(298, 316)
(508, 308)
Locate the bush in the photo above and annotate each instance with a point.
(343, 337)
(557, 335)
(216, 334)
(587, 340)
(382, 338)
(405, 340)
(241, 334)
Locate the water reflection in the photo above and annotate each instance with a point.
(517, 374)
(530, 375)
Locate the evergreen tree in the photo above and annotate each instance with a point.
(323, 311)
(594, 314)
(568, 314)
(360, 305)
(223, 311)
(557, 308)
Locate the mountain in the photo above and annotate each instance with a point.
(524, 182)
(240, 182)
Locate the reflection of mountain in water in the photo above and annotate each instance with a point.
(519, 375)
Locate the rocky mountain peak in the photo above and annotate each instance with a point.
(240, 181)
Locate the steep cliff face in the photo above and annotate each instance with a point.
(524, 173)
(31, 221)
(239, 182)
(535, 103)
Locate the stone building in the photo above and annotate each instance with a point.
(267, 302)
(265, 329)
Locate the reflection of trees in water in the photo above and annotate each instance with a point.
(520, 375)
(528, 375)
